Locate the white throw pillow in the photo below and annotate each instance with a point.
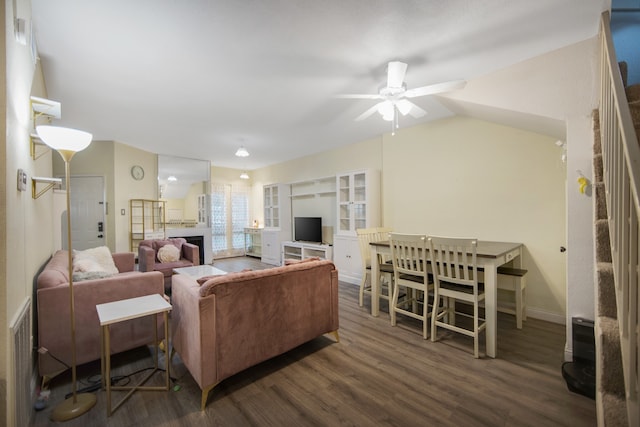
(168, 253)
(91, 259)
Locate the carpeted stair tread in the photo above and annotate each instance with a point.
(597, 168)
(597, 145)
(605, 287)
(614, 410)
(633, 93)
(608, 331)
(634, 108)
(624, 71)
(600, 201)
(603, 245)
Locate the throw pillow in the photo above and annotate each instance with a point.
(100, 255)
(168, 253)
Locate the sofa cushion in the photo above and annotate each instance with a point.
(168, 253)
(167, 267)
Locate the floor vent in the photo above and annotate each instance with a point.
(20, 330)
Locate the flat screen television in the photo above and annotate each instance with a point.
(307, 229)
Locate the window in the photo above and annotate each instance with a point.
(230, 215)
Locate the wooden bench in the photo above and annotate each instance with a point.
(513, 279)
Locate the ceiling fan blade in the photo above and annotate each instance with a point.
(367, 113)
(435, 88)
(410, 108)
(395, 74)
(358, 96)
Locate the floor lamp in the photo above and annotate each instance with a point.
(68, 142)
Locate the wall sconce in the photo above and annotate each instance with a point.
(51, 183)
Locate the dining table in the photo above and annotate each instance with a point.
(489, 256)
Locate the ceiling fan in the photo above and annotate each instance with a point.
(394, 96)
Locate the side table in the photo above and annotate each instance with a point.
(119, 311)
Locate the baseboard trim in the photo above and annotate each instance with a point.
(546, 315)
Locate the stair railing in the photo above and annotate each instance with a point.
(621, 174)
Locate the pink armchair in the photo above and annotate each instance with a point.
(148, 260)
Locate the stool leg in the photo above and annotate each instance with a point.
(518, 292)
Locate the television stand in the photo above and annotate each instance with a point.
(303, 250)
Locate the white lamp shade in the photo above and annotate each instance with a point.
(60, 138)
(385, 108)
(404, 106)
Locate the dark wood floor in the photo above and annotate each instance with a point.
(377, 375)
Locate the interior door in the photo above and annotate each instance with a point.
(88, 225)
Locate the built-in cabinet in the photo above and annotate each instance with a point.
(253, 242)
(347, 258)
(147, 221)
(358, 201)
(277, 221)
(358, 206)
(300, 251)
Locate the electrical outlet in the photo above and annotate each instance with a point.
(22, 180)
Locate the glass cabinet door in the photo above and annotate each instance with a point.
(352, 202)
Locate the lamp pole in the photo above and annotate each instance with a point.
(68, 142)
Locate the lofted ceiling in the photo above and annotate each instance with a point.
(199, 78)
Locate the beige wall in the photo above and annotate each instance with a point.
(128, 188)
(466, 177)
(113, 161)
(26, 232)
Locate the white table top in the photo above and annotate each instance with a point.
(198, 271)
(132, 308)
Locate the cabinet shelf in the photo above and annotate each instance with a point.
(311, 188)
(301, 250)
(147, 221)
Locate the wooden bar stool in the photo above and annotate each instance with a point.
(514, 280)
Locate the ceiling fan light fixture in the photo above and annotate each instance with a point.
(242, 152)
(404, 106)
(385, 109)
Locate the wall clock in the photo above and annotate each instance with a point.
(137, 172)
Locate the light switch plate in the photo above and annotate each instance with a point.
(22, 180)
(122, 212)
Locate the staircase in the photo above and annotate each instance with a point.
(616, 167)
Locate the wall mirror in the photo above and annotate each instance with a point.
(181, 184)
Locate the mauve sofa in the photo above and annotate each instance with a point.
(54, 331)
(236, 321)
